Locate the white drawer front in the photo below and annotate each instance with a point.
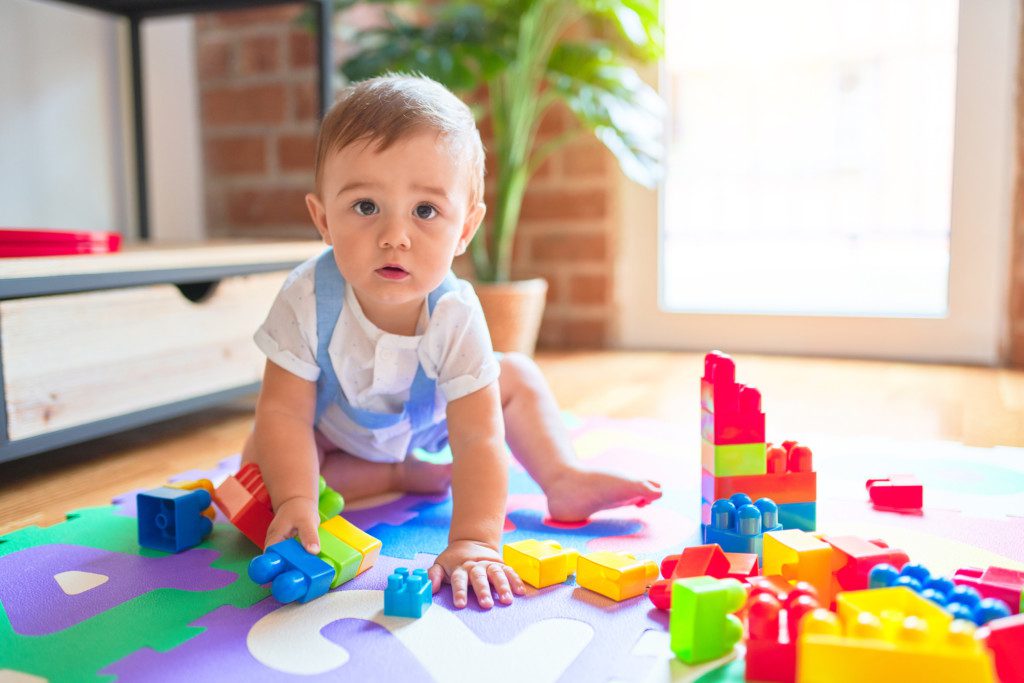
(77, 358)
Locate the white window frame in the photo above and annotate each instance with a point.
(974, 329)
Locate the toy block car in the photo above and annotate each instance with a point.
(244, 500)
(739, 525)
(540, 563)
(701, 624)
(700, 560)
(294, 574)
(618, 576)
(173, 519)
(407, 595)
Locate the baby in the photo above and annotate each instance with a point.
(374, 348)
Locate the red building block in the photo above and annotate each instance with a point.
(898, 492)
(718, 388)
(700, 560)
(1005, 638)
(772, 631)
(244, 500)
(734, 427)
(995, 582)
(856, 557)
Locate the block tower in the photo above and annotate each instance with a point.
(735, 458)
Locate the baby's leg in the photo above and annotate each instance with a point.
(539, 440)
(356, 478)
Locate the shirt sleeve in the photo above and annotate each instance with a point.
(288, 335)
(456, 349)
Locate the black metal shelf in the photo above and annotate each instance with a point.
(137, 10)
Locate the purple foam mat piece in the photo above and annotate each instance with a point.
(36, 604)
(222, 645)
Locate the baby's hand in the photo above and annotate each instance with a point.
(296, 516)
(463, 562)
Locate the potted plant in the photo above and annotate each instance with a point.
(522, 57)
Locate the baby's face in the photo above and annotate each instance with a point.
(396, 218)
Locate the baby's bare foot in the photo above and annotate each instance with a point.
(414, 475)
(577, 494)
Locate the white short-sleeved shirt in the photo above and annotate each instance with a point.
(376, 368)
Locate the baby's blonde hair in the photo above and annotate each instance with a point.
(388, 108)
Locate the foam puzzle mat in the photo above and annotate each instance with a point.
(81, 601)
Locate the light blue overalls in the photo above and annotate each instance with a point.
(329, 288)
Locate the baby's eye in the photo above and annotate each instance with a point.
(364, 207)
(425, 211)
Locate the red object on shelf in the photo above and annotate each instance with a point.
(898, 492)
(23, 243)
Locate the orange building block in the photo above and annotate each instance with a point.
(796, 555)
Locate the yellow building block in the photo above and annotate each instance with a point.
(892, 606)
(864, 649)
(796, 555)
(615, 575)
(540, 563)
(367, 545)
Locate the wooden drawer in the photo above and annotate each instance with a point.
(73, 359)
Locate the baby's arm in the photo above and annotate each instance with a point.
(286, 454)
(476, 433)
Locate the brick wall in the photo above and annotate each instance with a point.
(257, 79)
(1016, 312)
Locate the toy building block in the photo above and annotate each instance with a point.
(886, 645)
(855, 558)
(407, 595)
(803, 516)
(718, 388)
(330, 503)
(796, 555)
(739, 525)
(733, 460)
(771, 647)
(995, 582)
(962, 602)
(744, 426)
(618, 576)
(171, 519)
(295, 574)
(540, 563)
(1005, 641)
(700, 560)
(244, 500)
(205, 485)
(343, 558)
(367, 546)
(898, 492)
(701, 624)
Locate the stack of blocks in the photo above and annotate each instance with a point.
(738, 525)
(735, 457)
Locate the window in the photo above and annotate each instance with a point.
(838, 180)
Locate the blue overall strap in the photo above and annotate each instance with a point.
(329, 288)
(423, 392)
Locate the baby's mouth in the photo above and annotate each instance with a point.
(392, 272)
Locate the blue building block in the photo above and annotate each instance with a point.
(963, 602)
(407, 595)
(171, 519)
(799, 515)
(738, 525)
(296, 575)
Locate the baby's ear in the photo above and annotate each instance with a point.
(318, 214)
(473, 220)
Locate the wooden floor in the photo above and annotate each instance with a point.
(977, 406)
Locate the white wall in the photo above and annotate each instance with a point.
(66, 156)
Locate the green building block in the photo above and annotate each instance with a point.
(701, 624)
(734, 460)
(330, 503)
(344, 558)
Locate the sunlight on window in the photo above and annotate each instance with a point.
(811, 156)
